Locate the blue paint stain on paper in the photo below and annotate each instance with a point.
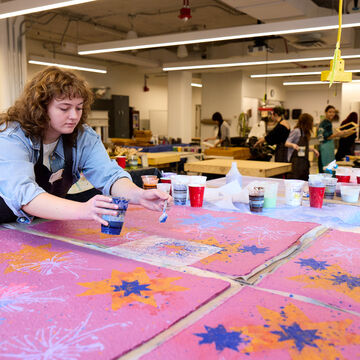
(301, 337)
(314, 264)
(222, 338)
(131, 287)
(253, 249)
(207, 221)
(351, 281)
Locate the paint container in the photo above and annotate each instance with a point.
(115, 223)
(196, 194)
(121, 160)
(293, 192)
(316, 194)
(343, 174)
(330, 187)
(149, 181)
(349, 192)
(343, 178)
(270, 194)
(165, 187)
(180, 189)
(256, 198)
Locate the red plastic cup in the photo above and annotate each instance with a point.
(166, 180)
(121, 160)
(196, 194)
(358, 179)
(316, 196)
(343, 178)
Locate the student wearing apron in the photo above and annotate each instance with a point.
(52, 111)
(298, 148)
(278, 135)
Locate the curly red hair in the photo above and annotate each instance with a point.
(30, 110)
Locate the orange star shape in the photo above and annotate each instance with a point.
(132, 287)
(223, 255)
(291, 329)
(333, 278)
(31, 257)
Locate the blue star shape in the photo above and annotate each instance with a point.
(131, 287)
(351, 281)
(222, 338)
(207, 221)
(301, 337)
(254, 249)
(314, 264)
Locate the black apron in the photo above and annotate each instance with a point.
(300, 164)
(59, 187)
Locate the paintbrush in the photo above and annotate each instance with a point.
(164, 215)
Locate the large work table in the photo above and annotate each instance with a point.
(246, 167)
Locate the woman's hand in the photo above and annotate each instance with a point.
(97, 206)
(295, 147)
(154, 199)
(316, 153)
(259, 142)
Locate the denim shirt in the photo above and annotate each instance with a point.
(18, 155)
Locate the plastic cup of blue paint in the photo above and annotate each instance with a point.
(115, 223)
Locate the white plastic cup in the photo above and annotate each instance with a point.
(165, 187)
(293, 192)
(349, 193)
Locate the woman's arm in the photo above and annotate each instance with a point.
(316, 153)
(292, 145)
(53, 207)
(211, 138)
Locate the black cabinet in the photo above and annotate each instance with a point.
(118, 109)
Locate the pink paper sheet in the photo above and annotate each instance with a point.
(257, 325)
(245, 241)
(61, 301)
(327, 271)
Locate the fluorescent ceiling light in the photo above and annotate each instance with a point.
(291, 83)
(37, 60)
(301, 73)
(196, 85)
(224, 63)
(232, 33)
(23, 7)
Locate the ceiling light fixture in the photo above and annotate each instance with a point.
(37, 60)
(213, 64)
(196, 85)
(291, 83)
(301, 73)
(23, 7)
(231, 33)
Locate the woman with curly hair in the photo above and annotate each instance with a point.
(45, 144)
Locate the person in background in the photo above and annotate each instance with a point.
(298, 148)
(45, 144)
(222, 137)
(278, 135)
(347, 144)
(325, 136)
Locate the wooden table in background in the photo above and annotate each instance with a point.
(246, 167)
(241, 153)
(161, 158)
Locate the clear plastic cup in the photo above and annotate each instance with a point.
(165, 187)
(115, 223)
(330, 187)
(294, 192)
(180, 189)
(270, 194)
(149, 181)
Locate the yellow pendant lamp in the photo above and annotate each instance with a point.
(337, 64)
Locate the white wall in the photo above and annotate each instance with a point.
(350, 99)
(221, 92)
(313, 99)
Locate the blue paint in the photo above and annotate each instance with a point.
(113, 228)
(131, 287)
(253, 249)
(222, 338)
(315, 265)
(301, 337)
(4, 303)
(351, 281)
(207, 221)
